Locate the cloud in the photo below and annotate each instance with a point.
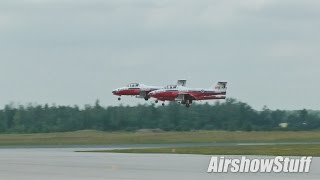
(203, 13)
(56, 47)
(293, 49)
(3, 20)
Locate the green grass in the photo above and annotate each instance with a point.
(270, 150)
(102, 138)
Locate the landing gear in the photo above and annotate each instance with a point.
(156, 101)
(162, 104)
(188, 103)
(146, 98)
(119, 98)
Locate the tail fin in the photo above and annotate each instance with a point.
(182, 82)
(222, 86)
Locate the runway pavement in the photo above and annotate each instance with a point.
(65, 164)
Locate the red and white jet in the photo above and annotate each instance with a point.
(186, 95)
(140, 90)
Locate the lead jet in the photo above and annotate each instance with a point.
(140, 90)
(186, 95)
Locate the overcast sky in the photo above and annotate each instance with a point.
(76, 51)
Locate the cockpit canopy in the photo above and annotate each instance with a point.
(171, 86)
(133, 85)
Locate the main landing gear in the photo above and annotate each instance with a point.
(146, 98)
(162, 104)
(119, 98)
(188, 103)
(156, 101)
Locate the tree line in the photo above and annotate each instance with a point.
(231, 115)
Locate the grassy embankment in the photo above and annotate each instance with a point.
(104, 138)
(271, 150)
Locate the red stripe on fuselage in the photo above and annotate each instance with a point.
(201, 95)
(166, 96)
(172, 95)
(128, 92)
(211, 97)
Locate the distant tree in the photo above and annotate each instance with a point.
(230, 115)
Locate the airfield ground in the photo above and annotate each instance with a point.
(252, 149)
(39, 156)
(65, 164)
(106, 138)
(196, 142)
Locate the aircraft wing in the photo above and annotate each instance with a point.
(142, 94)
(184, 96)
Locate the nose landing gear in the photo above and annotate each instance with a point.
(119, 98)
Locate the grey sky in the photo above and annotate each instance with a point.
(75, 51)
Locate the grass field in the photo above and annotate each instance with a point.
(103, 138)
(270, 150)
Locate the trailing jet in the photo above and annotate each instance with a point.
(186, 95)
(140, 90)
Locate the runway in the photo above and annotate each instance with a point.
(65, 164)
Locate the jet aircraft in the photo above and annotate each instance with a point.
(186, 95)
(140, 90)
